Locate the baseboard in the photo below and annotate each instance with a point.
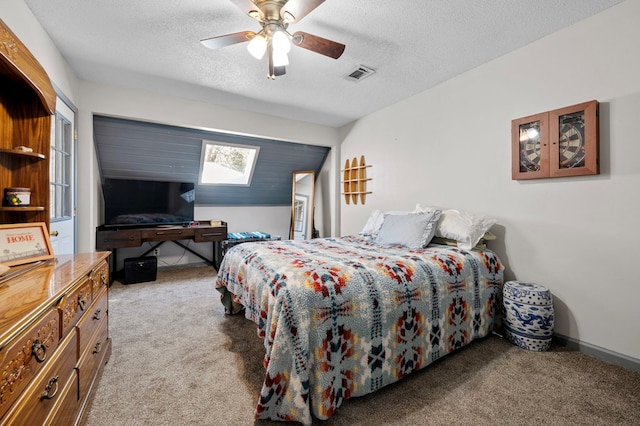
(598, 352)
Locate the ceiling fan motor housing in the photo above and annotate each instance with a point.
(269, 10)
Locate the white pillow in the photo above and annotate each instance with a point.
(374, 223)
(414, 230)
(465, 228)
(420, 209)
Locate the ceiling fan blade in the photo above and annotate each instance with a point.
(319, 45)
(245, 5)
(299, 8)
(228, 39)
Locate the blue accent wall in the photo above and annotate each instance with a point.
(129, 149)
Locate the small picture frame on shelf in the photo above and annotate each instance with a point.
(22, 243)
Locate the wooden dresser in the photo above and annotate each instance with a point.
(54, 339)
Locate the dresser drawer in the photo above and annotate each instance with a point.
(210, 234)
(25, 356)
(99, 277)
(95, 353)
(107, 240)
(166, 234)
(41, 314)
(95, 316)
(46, 392)
(66, 411)
(74, 304)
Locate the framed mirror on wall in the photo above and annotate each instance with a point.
(302, 196)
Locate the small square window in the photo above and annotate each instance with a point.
(227, 164)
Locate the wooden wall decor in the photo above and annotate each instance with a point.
(354, 180)
(562, 142)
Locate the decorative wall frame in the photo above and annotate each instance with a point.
(355, 180)
(562, 142)
(24, 243)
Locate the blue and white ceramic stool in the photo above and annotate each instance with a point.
(528, 315)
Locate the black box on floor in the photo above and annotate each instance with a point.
(140, 269)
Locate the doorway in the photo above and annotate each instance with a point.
(62, 172)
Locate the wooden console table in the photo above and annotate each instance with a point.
(114, 238)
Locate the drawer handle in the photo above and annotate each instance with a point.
(103, 278)
(168, 232)
(82, 303)
(97, 348)
(110, 240)
(39, 351)
(212, 234)
(51, 390)
(97, 315)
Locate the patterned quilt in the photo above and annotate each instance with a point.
(343, 317)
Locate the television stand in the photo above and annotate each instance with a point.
(114, 238)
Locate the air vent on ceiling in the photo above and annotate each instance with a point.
(361, 72)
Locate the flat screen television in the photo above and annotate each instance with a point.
(130, 203)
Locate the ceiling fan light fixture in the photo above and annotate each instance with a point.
(280, 42)
(280, 59)
(257, 46)
(254, 14)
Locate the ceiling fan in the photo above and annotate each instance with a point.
(273, 39)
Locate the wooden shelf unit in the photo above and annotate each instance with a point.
(54, 334)
(28, 101)
(35, 155)
(354, 180)
(23, 209)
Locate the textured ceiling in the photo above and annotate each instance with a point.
(412, 44)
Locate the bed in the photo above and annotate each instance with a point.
(344, 317)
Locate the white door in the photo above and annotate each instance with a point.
(62, 177)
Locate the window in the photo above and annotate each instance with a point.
(61, 170)
(227, 164)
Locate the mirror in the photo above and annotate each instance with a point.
(302, 205)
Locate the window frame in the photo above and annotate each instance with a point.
(61, 170)
(251, 165)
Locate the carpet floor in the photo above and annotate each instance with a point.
(179, 360)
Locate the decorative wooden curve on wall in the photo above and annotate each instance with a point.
(354, 180)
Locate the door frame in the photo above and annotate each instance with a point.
(74, 208)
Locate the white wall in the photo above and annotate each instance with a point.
(450, 147)
(17, 15)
